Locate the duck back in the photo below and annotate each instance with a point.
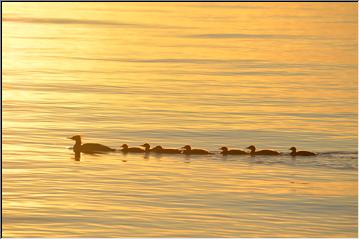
(95, 148)
(235, 152)
(133, 150)
(304, 153)
(196, 152)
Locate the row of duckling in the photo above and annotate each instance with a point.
(99, 148)
(224, 151)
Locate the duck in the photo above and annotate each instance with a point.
(126, 149)
(188, 150)
(262, 152)
(89, 147)
(300, 153)
(160, 149)
(147, 147)
(226, 151)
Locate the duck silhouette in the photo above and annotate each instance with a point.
(226, 151)
(89, 147)
(160, 149)
(147, 147)
(300, 153)
(261, 152)
(187, 150)
(126, 149)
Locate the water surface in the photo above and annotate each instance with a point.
(274, 75)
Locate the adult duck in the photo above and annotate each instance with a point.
(189, 150)
(226, 151)
(261, 152)
(300, 153)
(89, 147)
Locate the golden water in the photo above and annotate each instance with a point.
(206, 74)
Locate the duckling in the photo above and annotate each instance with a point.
(261, 152)
(89, 147)
(188, 150)
(160, 149)
(126, 149)
(147, 147)
(226, 151)
(300, 153)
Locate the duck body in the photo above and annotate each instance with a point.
(226, 151)
(95, 147)
(160, 149)
(127, 149)
(262, 152)
(188, 150)
(89, 147)
(300, 153)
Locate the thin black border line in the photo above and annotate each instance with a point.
(262, 1)
(1, 234)
(1, 13)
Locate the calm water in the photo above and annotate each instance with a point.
(274, 75)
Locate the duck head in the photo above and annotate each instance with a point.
(146, 146)
(224, 149)
(125, 146)
(293, 149)
(76, 138)
(157, 148)
(252, 148)
(186, 147)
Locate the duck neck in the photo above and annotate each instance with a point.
(77, 145)
(252, 151)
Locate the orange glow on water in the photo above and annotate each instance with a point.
(207, 74)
